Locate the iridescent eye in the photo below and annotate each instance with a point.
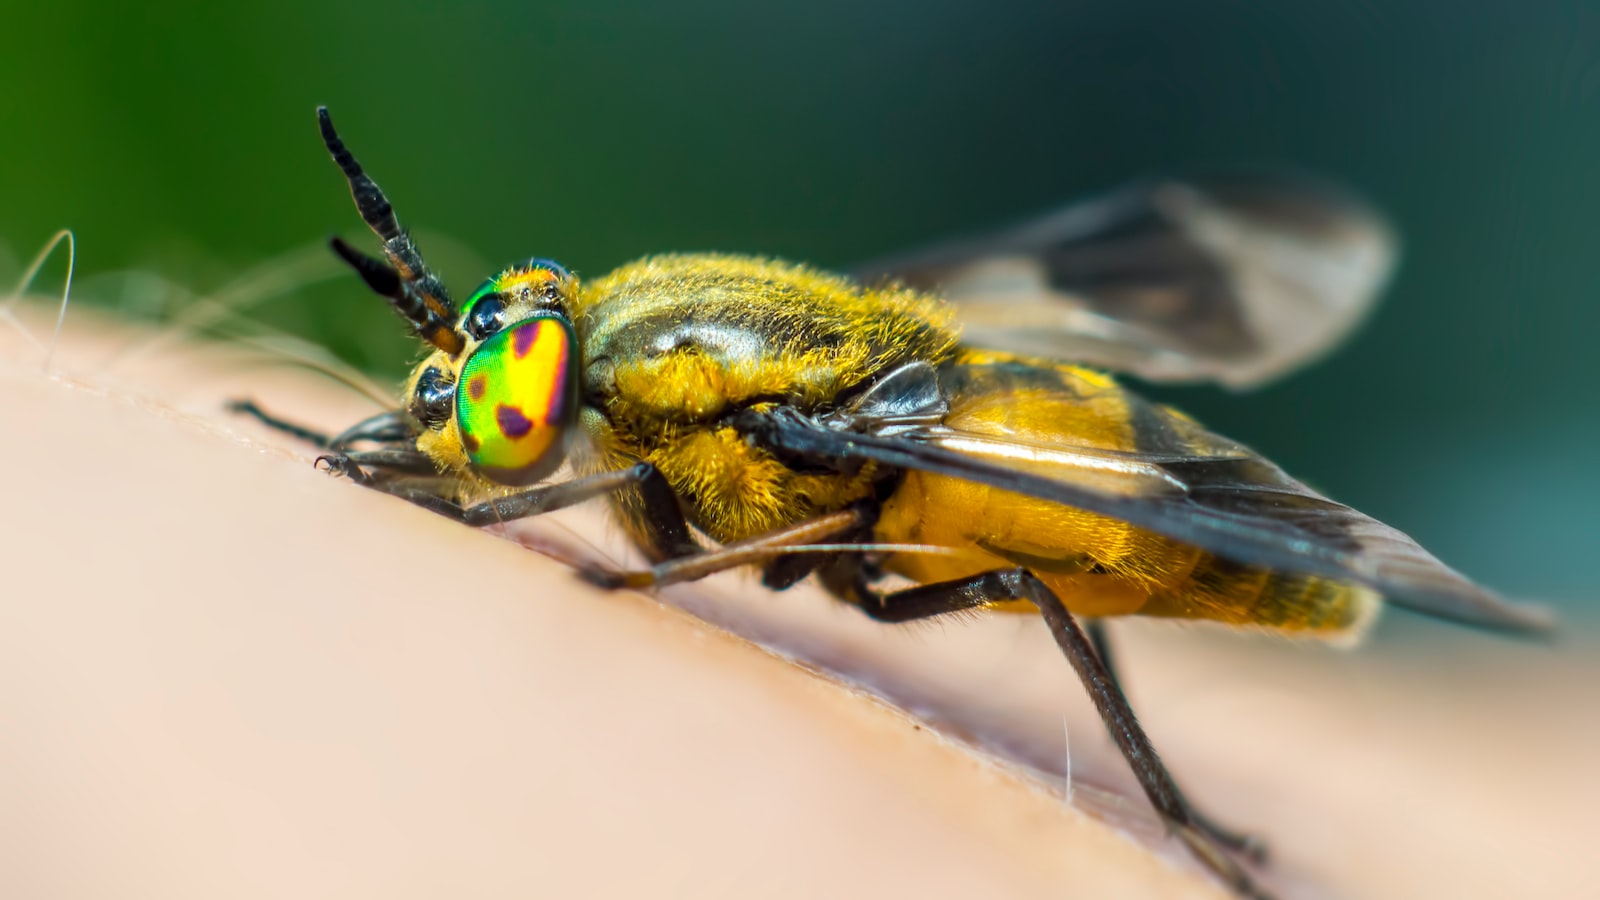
(516, 394)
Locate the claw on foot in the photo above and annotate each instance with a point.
(340, 465)
(334, 464)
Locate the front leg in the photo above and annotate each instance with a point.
(376, 469)
(389, 427)
(399, 470)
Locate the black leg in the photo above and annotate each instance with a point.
(310, 436)
(384, 428)
(785, 572)
(356, 463)
(548, 497)
(928, 600)
(1241, 841)
(663, 516)
(947, 597)
(778, 544)
(1100, 639)
(669, 532)
(672, 530)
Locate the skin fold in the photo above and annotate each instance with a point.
(226, 674)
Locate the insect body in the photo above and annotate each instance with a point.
(770, 407)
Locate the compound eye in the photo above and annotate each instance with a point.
(516, 395)
(486, 316)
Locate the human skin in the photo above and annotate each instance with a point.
(223, 673)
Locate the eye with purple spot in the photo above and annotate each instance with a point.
(518, 394)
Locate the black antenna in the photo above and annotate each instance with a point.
(370, 201)
(404, 295)
(413, 290)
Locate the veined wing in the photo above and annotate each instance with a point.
(1179, 481)
(1230, 278)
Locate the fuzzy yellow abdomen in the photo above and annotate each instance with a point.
(1100, 566)
(1062, 422)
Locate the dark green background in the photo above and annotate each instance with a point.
(181, 140)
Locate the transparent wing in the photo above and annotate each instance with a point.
(1233, 278)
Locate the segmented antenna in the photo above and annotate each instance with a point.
(412, 289)
(404, 295)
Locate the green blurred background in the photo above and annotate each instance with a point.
(180, 139)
